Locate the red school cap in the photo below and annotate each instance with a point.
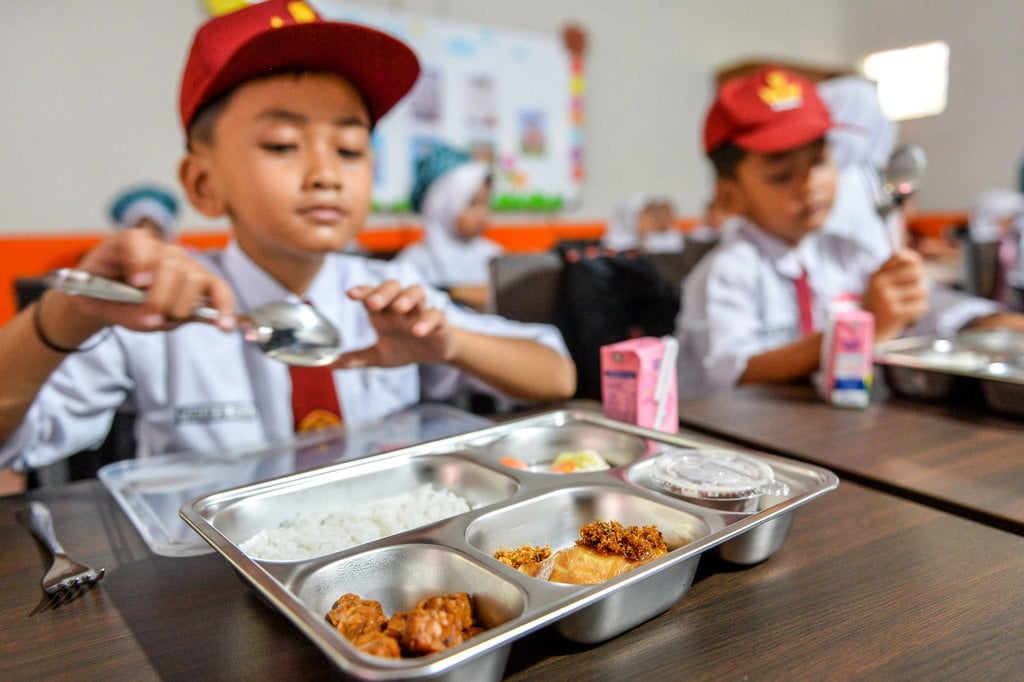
(277, 35)
(773, 110)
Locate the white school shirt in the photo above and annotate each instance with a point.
(740, 300)
(199, 389)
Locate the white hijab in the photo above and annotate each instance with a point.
(622, 233)
(861, 143)
(862, 132)
(990, 209)
(442, 257)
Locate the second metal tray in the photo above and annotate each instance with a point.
(935, 368)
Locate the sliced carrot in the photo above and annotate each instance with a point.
(514, 462)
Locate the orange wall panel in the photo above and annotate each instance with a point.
(26, 256)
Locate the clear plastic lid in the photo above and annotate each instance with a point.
(715, 474)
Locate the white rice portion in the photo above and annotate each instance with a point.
(312, 534)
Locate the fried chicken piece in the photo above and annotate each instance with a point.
(378, 644)
(353, 616)
(438, 623)
(396, 624)
(430, 631)
(457, 604)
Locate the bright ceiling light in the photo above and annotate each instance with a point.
(912, 81)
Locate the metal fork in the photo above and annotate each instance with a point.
(66, 579)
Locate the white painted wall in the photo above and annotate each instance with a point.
(88, 90)
(978, 142)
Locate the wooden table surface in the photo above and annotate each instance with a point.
(867, 586)
(960, 457)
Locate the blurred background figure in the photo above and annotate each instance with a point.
(712, 222)
(452, 195)
(861, 143)
(993, 266)
(644, 223)
(148, 207)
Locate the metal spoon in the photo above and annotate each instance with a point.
(292, 332)
(900, 179)
(903, 173)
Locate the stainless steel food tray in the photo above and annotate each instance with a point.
(511, 507)
(936, 368)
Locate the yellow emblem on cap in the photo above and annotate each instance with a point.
(301, 14)
(780, 93)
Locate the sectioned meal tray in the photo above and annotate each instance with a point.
(510, 507)
(936, 368)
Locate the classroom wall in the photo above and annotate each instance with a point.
(978, 142)
(89, 91)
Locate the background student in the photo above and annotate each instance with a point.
(452, 193)
(646, 223)
(148, 207)
(860, 143)
(278, 107)
(755, 306)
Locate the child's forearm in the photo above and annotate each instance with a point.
(476, 297)
(26, 361)
(521, 368)
(794, 361)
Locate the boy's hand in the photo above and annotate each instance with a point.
(896, 294)
(175, 285)
(407, 330)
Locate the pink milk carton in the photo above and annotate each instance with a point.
(847, 356)
(639, 383)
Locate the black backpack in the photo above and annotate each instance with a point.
(609, 296)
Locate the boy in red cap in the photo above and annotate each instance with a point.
(278, 106)
(754, 308)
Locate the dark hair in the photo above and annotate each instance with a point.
(725, 157)
(205, 118)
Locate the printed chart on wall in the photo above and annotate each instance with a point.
(511, 97)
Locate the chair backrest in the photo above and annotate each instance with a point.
(524, 287)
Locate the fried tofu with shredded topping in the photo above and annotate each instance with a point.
(605, 550)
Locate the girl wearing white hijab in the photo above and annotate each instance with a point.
(644, 223)
(860, 143)
(452, 195)
(997, 217)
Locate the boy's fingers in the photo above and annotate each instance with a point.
(429, 321)
(382, 296)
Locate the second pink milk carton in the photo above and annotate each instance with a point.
(847, 357)
(639, 384)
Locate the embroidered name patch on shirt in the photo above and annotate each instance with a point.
(206, 413)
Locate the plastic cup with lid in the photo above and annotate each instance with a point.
(715, 478)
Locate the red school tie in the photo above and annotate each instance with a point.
(314, 398)
(803, 302)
